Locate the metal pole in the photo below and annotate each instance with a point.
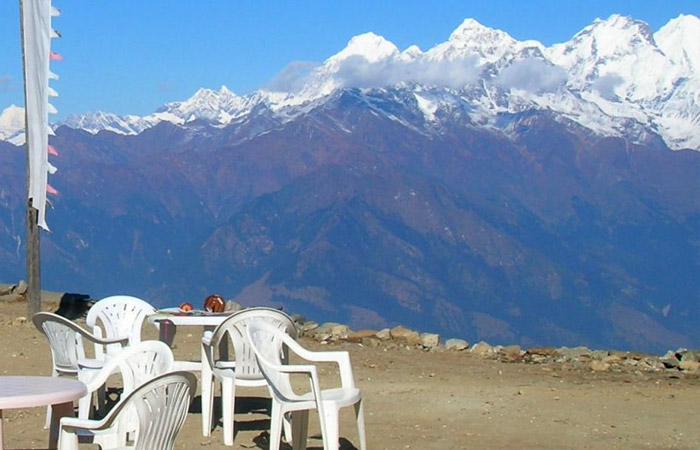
(33, 295)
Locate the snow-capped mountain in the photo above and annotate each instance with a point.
(98, 121)
(615, 77)
(12, 125)
(217, 107)
(678, 39)
(622, 68)
(490, 46)
(471, 189)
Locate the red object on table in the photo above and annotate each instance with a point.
(214, 303)
(186, 307)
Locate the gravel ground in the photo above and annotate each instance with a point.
(421, 400)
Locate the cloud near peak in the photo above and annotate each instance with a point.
(292, 77)
(356, 71)
(532, 75)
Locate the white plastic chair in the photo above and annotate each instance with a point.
(136, 364)
(118, 316)
(115, 317)
(265, 341)
(66, 342)
(161, 406)
(243, 370)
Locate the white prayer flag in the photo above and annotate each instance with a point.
(36, 41)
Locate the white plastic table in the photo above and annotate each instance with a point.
(168, 323)
(32, 391)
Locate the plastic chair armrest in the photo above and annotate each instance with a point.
(341, 358)
(107, 341)
(94, 378)
(73, 423)
(310, 371)
(96, 336)
(297, 369)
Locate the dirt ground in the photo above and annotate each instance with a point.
(421, 400)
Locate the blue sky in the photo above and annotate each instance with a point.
(132, 56)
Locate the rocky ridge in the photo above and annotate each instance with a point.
(679, 362)
(577, 358)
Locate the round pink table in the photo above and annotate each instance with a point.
(31, 391)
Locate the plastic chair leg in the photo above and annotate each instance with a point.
(207, 404)
(109, 440)
(360, 416)
(228, 397)
(84, 406)
(287, 424)
(67, 441)
(331, 436)
(208, 382)
(275, 425)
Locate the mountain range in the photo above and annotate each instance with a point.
(486, 188)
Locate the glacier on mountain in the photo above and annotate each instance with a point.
(12, 125)
(679, 39)
(615, 77)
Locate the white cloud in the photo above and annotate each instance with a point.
(606, 85)
(532, 75)
(292, 78)
(357, 71)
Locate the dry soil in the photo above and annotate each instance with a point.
(421, 400)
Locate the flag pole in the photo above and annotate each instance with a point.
(33, 295)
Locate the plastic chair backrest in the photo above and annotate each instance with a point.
(64, 339)
(161, 405)
(267, 343)
(118, 316)
(136, 364)
(142, 362)
(235, 329)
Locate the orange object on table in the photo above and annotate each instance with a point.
(214, 303)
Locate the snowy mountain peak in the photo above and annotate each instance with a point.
(208, 104)
(370, 46)
(211, 98)
(226, 91)
(620, 22)
(614, 77)
(98, 121)
(608, 38)
(12, 125)
(11, 119)
(471, 31)
(412, 52)
(472, 39)
(618, 58)
(679, 39)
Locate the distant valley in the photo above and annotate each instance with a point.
(562, 214)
